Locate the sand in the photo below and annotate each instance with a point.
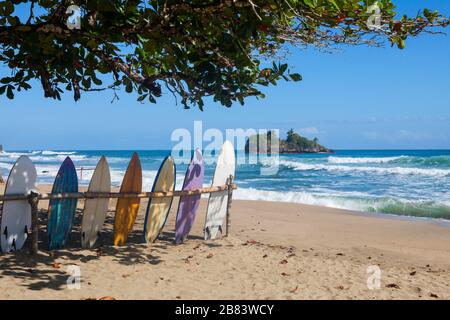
(274, 251)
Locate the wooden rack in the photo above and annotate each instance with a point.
(33, 199)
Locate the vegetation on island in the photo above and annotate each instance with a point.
(294, 143)
(223, 49)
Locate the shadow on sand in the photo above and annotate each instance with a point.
(42, 272)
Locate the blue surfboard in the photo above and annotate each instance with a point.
(62, 211)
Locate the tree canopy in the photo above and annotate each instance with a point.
(190, 48)
(295, 140)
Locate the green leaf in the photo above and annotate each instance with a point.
(296, 77)
(10, 93)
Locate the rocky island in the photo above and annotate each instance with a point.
(294, 143)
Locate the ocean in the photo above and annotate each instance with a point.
(400, 182)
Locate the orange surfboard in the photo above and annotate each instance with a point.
(127, 208)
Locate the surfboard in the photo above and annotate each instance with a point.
(188, 205)
(62, 211)
(16, 217)
(217, 204)
(95, 210)
(127, 208)
(158, 208)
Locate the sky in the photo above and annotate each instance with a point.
(355, 98)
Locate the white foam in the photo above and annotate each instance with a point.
(341, 160)
(49, 152)
(57, 158)
(380, 170)
(296, 197)
(365, 204)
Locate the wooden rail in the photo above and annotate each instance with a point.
(103, 195)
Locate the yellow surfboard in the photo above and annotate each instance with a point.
(158, 208)
(127, 208)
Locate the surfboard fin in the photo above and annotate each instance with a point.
(6, 232)
(14, 244)
(83, 235)
(220, 229)
(207, 233)
(26, 229)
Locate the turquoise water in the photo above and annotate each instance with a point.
(401, 182)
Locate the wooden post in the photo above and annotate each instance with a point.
(33, 200)
(230, 199)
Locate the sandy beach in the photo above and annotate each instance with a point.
(274, 251)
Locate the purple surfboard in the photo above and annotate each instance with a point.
(188, 205)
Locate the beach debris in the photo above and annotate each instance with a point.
(294, 290)
(107, 298)
(340, 287)
(209, 256)
(251, 241)
(177, 297)
(197, 246)
(413, 273)
(339, 254)
(369, 258)
(284, 274)
(265, 256)
(56, 265)
(291, 252)
(125, 275)
(284, 261)
(393, 285)
(433, 295)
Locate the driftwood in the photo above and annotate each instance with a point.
(229, 200)
(33, 200)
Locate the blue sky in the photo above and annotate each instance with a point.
(357, 98)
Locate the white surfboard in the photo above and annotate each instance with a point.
(95, 210)
(158, 208)
(217, 204)
(16, 216)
